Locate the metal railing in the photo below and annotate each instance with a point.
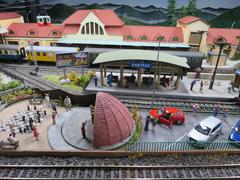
(134, 146)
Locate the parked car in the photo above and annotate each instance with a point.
(205, 131)
(235, 134)
(168, 115)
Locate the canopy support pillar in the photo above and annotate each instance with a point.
(121, 75)
(139, 77)
(101, 75)
(105, 70)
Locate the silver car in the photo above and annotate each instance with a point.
(205, 131)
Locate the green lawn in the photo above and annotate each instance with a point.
(55, 79)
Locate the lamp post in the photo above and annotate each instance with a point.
(221, 45)
(28, 15)
(31, 43)
(155, 75)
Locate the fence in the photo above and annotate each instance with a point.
(179, 146)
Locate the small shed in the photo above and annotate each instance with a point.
(236, 82)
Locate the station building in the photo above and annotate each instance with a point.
(97, 31)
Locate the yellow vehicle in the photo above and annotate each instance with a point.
(46, 53)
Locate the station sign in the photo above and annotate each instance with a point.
(141, 65)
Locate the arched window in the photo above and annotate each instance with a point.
(92, 28)
(55, 33)
(175, 39)
(220, 39)
(32, 33)
(129, 37)
(143, 38)
(11, 32)
(160, 38)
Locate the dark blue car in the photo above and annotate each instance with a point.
(235, 134)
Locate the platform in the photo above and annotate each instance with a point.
(220, 89)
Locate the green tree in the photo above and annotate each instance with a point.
(182, 12)
(171, 12)
(192, 8)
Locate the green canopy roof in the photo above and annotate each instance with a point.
(146, 55)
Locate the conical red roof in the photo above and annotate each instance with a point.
(112, 121)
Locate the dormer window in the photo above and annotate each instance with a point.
(175, 39)
(11, 32)
(129, 37)
(143, 38)
(160, 38)
(55, 33)
(32, 33)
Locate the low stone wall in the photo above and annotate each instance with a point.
(208, 75)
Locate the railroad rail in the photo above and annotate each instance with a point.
(228, 171)
(206, 106)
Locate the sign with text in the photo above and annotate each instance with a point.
(141, 65)
(71, 59)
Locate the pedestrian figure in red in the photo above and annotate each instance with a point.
(35, 133)
(83, 130)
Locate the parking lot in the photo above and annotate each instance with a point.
(161, 133)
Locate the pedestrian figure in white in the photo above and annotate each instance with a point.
(47, 99)
(67, 103)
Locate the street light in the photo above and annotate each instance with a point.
(221, 45)
(27, 16)
(155, 75)
(233, 24)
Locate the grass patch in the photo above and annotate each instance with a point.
(55, 79)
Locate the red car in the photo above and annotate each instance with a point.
(168, 115)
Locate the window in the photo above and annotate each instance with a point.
(11, 32)
(44, 54)
(143, 38)
(129, 37)
(221, 39)
(52, 44)
(160, 38)
(96, 28)
(214, 129)
(5, 52)
(55, 33)
(31, 33)
(13, 42)
(38, 54)
(83, 30)
(175, 39)
(92, 27)
(87, 28)
(101, 30)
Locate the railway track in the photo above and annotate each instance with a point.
(144, 103)
(28, 79)
(228, 171)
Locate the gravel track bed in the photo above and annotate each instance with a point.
(162, 160)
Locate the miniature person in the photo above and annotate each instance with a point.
(147, 123)
(54, 107)
(13, 141)
(67, 103)
(92, 113)
(95, 79)
(154, 122)
(47, 99)
(229, 89)
(216, 110)
(195, 108)
(13, 133)
(192, 84)
(225, 114)
(201, 86)
(83, 130)
(109, 79)
(28, 108)
(35, 133)
(31, 123)
(232, 86)
(133, 78)
(53, 118)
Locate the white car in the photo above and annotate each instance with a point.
(205, 131)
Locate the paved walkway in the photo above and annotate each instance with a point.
(220, 88)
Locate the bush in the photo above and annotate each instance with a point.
(90, 74)
(72, 76)
(84, 81)
(60, 78)
(10, 85)
(76, 81)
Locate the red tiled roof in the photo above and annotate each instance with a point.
(71, 29)
(9, 15)
(188, 19)
(22, 29)
(114, 30)
(112, 121)
(152, 32)
(108, 17)
(230, 35)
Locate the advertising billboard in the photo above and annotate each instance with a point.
(71, 59)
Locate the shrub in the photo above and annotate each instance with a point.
(61, 77)
(76, 81)
(84, 81)
(90, 74)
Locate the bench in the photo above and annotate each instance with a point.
(115, 79)
(147, 80)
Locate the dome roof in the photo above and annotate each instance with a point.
(112, 121)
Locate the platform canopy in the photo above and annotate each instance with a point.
(138, 55)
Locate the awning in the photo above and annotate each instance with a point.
(146, 55)
(121, 43)
(175, 53)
